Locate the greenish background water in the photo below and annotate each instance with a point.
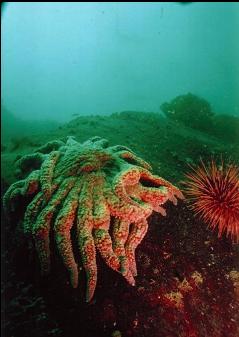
(61, 59)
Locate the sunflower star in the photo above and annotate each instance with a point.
(93, 188)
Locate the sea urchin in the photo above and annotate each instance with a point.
(213, 193)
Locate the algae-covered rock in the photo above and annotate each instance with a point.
(191, 110)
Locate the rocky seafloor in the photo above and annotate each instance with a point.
(188, 279)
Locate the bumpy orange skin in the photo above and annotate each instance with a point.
(91, 187)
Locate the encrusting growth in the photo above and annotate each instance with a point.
(90, 187)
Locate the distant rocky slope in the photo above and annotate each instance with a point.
(168, 145)
(13, 127)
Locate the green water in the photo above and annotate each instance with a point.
(62, 59)
(72, 68)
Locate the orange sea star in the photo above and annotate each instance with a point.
(91, 187)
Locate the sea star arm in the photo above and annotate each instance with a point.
(41, 227)
(120, 235)
(85, 238)
(119, 148)
(101, 219)
(8, 201)
(103, 243)
(50, 146)
(172, 190)
(132, 158)
(88, 255)
(96, 142)
(24, 187)
(154, 196)
(129, 177)
(29, 162)
(62, 228)
(121, 209)
(46, 175)
(137, 233)
(33, 209)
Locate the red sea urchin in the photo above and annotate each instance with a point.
(213, 193)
